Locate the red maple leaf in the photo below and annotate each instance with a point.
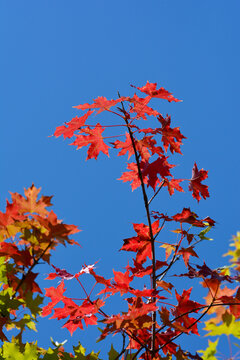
(172, 185)
(158, 215)
(133, 176)
(187, 216)
(125, 146)
(68, 130)
(120, 284)
(171, 137)
(141, 244)
(100, 103)
(55, 230)
(143, 146)
(186, 253)
(184, 308)
(139, 271)
(11, 251)
(165, 285)
(140, 107)
(13, 212)
(95, 139)
(163, 340)
(151, 90)
(62, 273)
(56, 296)
(122, 281)
(150, 172)
(195, 183)
(158, 167)
(77, 313)
(100, 279)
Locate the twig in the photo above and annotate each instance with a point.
(160, 187)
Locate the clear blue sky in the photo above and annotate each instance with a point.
(56, 54)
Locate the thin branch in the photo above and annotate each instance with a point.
(160, 187)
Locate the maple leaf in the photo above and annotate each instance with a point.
(150, 172)
(145, 144)
(172, 185)
(125, 146)
(165, 285)
(158, 215)
(148, 293)
(95, 139)
(142, 146)
(12, 213)
(86, 311)
(150, 131)
(11, 251)
(195, 183)
(120, 284)
(68, 130)
(56, 296)
(31, 204)
(100, 279)
(169, 248)
(100, 103)
(133, 176)
(158, 167)
(163, 340)
(151, 90)
(139, 271)
(141, 243)
(235, 303)
(171, 137)
(189, 217)
(186, 306)
(122, 281)
(140, 107)
(186, 253)
(62, 273)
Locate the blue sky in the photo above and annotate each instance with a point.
(56, 54)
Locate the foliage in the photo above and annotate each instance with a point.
(156, 315)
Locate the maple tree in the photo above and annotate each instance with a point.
(157, 315)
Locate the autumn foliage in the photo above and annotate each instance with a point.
(157, 315)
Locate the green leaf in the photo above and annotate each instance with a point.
(33, 303)
(229, 326)
(79, 350)
(209, 353)
(130, 356)
(93, 356)
(3, 271)
(204, 232)
(11, 351)
(26, 321)
(7, 303)
(112, 353)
